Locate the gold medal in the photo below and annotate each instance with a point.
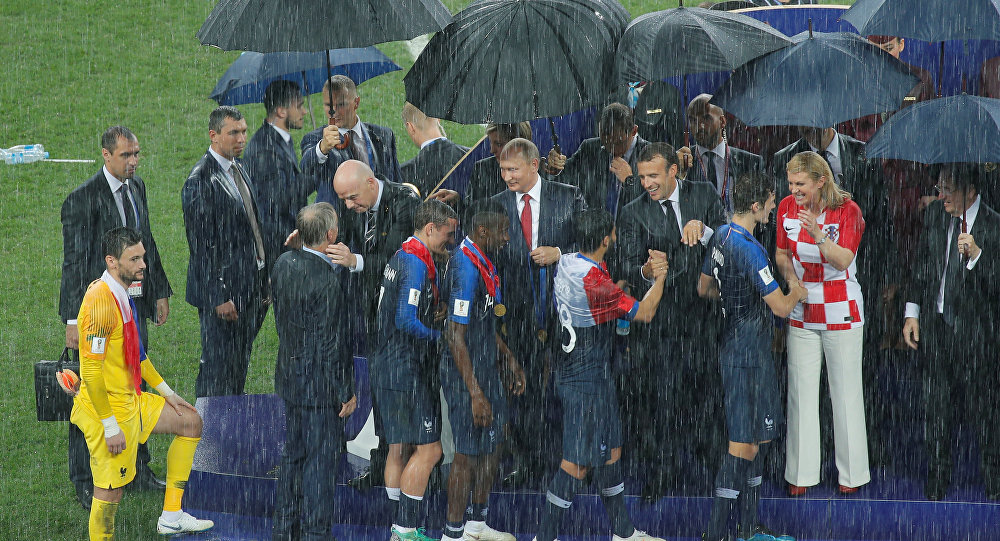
(542, 335)
(499, 310)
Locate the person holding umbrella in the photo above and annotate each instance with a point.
(819, 230)
(951, 320)
(346, 138)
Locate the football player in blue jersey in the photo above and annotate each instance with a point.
(737, 272)
(588, 302)
(404, 367)
(475, 367)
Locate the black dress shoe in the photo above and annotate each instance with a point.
(85, 495)
(145, 479)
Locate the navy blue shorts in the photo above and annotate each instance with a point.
(753, 403)
(412, 416)
(592, 426)
(472, 440)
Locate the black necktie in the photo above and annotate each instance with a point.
(127, 207)
(370, 231)
(710, 174)
(668, 208)
(952, 272)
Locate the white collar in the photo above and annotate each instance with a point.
(283, 133)
(675, 196)
(971, 213)
(833, 148)
(430, 142)
(631, 147)
(113, 181)
(378, 198)
(321, 255)
(120, 295)
(535, 192)
(226, 163)
(719, 150)
(357, 129)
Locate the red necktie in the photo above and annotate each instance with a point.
(526, 220)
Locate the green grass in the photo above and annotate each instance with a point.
(71, 69)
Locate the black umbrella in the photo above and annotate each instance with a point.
(515, 60)
(819, 81)
(680, 41)
(927, 20)
(268, 26)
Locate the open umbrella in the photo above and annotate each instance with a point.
(248, 77)
(934, 131)
(819, 81)
(515, 60)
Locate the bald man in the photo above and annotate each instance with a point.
(437, 154)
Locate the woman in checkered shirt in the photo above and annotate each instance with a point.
(819, 231)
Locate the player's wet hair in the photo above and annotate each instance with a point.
(751, 187)
(590, 227)
(486, 213)
(116, 240)
(433, 212)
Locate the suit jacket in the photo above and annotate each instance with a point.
(485, 180)
(88, 212)
(977, 313)
(223, 256)
(740, 162)
(643, 226)
(315, 365)
(865, 180)
(432, 163)
(521, 277)
(277, 185)
(393, 225)
(587, 169)
(385, 165)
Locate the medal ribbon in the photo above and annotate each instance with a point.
(486, 269)
(415, 247)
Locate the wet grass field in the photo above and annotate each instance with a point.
(71, 69)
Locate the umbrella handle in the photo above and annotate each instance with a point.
(555, 136)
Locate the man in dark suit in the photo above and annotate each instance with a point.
(541, 230)
(951, 319)
(346, 138)
(876, 255)
(604, 167)
(271, 162)
(485, 181)
(376, 216)
(314, 376)
(226, 279)
(114, 197)
(676, 351)
(437, 154)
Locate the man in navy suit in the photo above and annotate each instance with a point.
(437, 155)
(541, 230)
(346, 138)
(271, 162)
(226, 280)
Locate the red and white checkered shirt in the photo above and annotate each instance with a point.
(835, 302)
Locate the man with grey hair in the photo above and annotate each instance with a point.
(346, 138)
(314, 376)
(226, 279)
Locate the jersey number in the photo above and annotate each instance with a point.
(567, 324)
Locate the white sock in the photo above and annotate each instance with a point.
(171, 516)
(392, 493)
(401, 529)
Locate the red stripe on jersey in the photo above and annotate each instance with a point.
(814, 313)
(606, 300)
(835, 291)
(812, 272)
(855, 313)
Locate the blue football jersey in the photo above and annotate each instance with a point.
(743, 273)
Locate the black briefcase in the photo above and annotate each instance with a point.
(51, 402)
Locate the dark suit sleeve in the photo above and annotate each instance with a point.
(631, 247)
(715, 215)
(309, 163)
(204, 268)
(78, 232)
(332, 338)
(158, 287)
(393, 161)
(401, 228)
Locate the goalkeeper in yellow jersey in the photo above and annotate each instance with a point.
(111, 411)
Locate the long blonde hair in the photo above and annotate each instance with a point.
(815, 166)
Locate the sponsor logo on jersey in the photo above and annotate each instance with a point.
(461, 308)
(765, 275)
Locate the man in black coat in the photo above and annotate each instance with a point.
(314, 376)
(270, 158)
(226, 278)
(346, 138)
(437, 154)
(114, 197)
(604, 168)
(951, 320)
(674, 378)
(541, 230)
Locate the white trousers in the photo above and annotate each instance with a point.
(806, 351)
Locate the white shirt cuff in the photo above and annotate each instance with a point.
(71, 322)
(320, 157)
(912, 310)
(360, 266)
(972, 262)
(706, 235)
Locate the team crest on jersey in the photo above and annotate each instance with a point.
(428, 426)
(98, 344)
(414, 298)
(461, 308)
(765, 275)
(768, 423)
(832, 231)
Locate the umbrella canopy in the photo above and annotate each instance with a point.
(951, 129)
(819, 81)
(268, 26)
(248, 77)
(680, 41)
(515, 60)
(929, 20)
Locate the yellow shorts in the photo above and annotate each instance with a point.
(114, 471)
